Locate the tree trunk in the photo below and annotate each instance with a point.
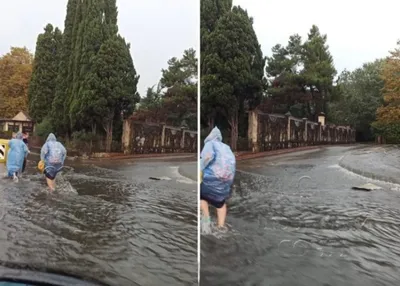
(233, 122)
(108, 127)
(91, 138)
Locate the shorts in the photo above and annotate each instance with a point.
(52, 170)
(210, 200)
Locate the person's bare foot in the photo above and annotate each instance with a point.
(51, 184)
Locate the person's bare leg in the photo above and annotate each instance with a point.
(51, 184)
(204, 209)
(221, 214)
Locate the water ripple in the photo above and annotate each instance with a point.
(102, 223)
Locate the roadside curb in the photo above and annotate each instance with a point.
(367, 174)
(248, 156)
(183, 174)
(127, 157)
(145, 156)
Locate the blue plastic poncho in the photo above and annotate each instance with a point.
(16, 154)
(53, 152)
(218, 164)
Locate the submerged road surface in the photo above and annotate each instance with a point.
(294, 220)
(107, 221)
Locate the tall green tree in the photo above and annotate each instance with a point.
(64, 80)
(90, 37)
(318, 72)
(42, 86)
(235, 68)
(302, 75)
(359, 98)
(287, 89)
(210, 12)
(181, 80)
(86, 98)
(111, 88)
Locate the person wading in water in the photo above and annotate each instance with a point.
(25, 139)
(16, 156)
(53, 154)
(218, 167)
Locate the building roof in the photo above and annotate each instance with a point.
(22, 116)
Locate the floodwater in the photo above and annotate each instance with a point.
(295, 221)
(105, 221)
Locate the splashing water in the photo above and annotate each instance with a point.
(63, 185)
(205, 226)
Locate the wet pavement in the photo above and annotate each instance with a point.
(294, 220)
(377, 162)
(108, 221)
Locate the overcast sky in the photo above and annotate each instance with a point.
(157, 29)
(358, 31)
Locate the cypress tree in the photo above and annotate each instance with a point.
(90, 37)
(111, 86)
(77, 61)
(96, 80)
(59, 110)
(45, 68)
(210, 12)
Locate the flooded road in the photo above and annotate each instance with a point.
(106, 221)
(294, 220)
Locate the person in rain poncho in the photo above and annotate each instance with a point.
(16, 155)
(53, 154)
(218, 166)
(25, 140)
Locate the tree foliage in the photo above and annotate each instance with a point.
(210, 12)
(45, 68)
(91, 80)
(174, 100)
(111, 87)
(15, 74)
(359, 96)
(301, 75)
(388, 115)
(233, 65)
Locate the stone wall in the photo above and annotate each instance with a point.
(275, 131)
(142, 138)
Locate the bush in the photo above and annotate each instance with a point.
(83, 141)
(44, 128)
(390, 131)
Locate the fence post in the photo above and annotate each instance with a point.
(163, 139)
(183, 139)
(252, 132)
(305, 131)
(288, 135)
(319, 137)
(127, 136)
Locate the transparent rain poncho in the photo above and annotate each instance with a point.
(16, 154)
(218, 165)
(53, 152)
